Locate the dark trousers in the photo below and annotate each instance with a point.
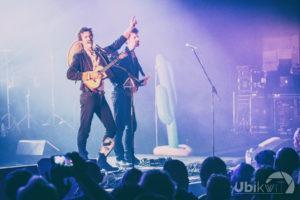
(93, 103)
(122, 110)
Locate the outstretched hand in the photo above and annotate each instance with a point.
(132, 25)
(145, 80)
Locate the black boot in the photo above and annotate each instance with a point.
(103, 164)
(136, 161)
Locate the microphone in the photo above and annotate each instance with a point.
(191, 46)
(97, 48)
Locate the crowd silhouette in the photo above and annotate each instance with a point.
(82, 180)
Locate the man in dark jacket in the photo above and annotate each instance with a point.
(92, 99)
(126, 82)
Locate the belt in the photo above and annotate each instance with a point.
(86, 89)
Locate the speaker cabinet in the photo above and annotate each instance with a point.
(30, 151)
(260, 114)
(244, 81)
(241, 113)
(252, 114)
(36, 147)
(286, 113)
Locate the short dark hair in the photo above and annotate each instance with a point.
(242, 173)
(212, 165)
(159, 182)
(131, 177)
(135, 30)
(265, 157)
(218, 187)
(178, 172)
(287, 160)
(84, 29)
(16, 179)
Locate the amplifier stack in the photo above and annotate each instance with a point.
(259, 108)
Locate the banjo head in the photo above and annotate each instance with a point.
(74, 48)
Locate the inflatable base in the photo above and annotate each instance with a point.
(182, 150)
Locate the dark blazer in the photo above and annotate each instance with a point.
(128, 65)
(82, 62)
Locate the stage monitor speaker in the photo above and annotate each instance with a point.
(36, 147)
(272, 143)
(4, 171)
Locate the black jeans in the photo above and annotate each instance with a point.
(122, 107)
(93, 103)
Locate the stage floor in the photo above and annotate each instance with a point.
(187, 160)
(230, 161)
(193, 163)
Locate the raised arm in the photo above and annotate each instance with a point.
(132, 25)
(120, 41)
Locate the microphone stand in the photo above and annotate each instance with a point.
(11, 122)
(130, 86)
(213, 94)
(156, 113)
(27, 115)
(51, 120)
